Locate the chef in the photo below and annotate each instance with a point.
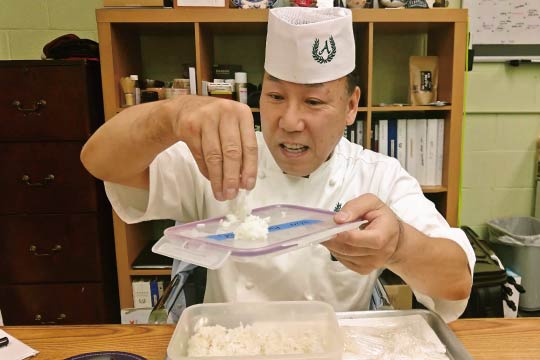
(184, 158)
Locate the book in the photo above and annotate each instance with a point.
(392, 137)
(375, 135)
(431, 152)
(421, 133)
(142, 294)
(360, 132)
(402, 142)
(154, 292)
(383, 137)
(412, 149)
(440, 152)
(192, 81)
(150, 260)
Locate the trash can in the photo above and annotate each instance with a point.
(516, 240)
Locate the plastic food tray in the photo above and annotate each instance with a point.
(231, 315)
(454, 347)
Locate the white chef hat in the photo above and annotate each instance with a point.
(309, 45)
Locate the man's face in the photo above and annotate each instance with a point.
(302, 124)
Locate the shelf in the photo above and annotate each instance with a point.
(213, 15)
(150, 272)
(129, 39)
(409, 108)
(434, 189)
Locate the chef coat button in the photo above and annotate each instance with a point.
(262, 175)
(249, 285)
(332, 182)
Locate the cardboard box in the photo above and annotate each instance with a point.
(134, 316)
(400, 296)
(133, 3)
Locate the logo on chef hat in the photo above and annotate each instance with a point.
(327, 53)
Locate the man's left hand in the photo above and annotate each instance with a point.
(374, 246)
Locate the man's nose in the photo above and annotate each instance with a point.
(292, 119)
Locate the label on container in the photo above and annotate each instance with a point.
(272, 228)
(242, 95)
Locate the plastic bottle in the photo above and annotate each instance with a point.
(240, 80)
(137, 91)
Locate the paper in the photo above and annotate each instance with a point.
(15, 350)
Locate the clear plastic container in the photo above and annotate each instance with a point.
(282, 314)
(206, 243)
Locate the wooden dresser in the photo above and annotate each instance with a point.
(57, 261)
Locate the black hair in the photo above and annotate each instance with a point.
(352, 82)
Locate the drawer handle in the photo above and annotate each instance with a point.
(37, 107)
(33, 249)
(46, 180)
(39, 318)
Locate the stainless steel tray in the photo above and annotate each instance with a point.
(454, 347)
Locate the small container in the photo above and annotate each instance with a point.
(315, 315)
(240, 89)
(206, 243)
(149, 96)
(137, 89)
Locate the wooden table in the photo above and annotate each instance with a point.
(491, 339)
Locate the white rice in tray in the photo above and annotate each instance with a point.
(257, 339)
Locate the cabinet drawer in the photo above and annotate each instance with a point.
(53, 304)
(48, 102)
(50, 248)
(44, 178)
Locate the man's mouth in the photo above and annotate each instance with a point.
(294, 148)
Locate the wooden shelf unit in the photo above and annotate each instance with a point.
(196, 36)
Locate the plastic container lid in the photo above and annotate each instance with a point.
(291, 227)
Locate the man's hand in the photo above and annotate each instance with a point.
(375, 245)
(437, 267)
(221, 137)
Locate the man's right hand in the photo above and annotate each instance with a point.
(221, 137)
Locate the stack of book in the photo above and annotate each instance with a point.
(418, 144)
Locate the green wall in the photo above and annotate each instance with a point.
(500, 132)
(500, 127)
(27, 25)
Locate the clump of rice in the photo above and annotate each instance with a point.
(250, 227)
(253, 228)
(256, 339)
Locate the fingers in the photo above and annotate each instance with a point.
(213, 158)
(231, 147)
(356, 243)
(250, 152)
(229, 151)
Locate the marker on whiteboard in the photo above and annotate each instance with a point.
(517, 62)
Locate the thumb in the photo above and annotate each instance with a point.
(358, 208)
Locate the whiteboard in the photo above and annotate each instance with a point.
(504, 22)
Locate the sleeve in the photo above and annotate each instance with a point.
(406, 199)
(176, 190)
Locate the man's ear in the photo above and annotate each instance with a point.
(352, 106)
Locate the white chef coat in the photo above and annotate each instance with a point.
(179, 191)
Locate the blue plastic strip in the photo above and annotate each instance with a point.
(272, 228)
